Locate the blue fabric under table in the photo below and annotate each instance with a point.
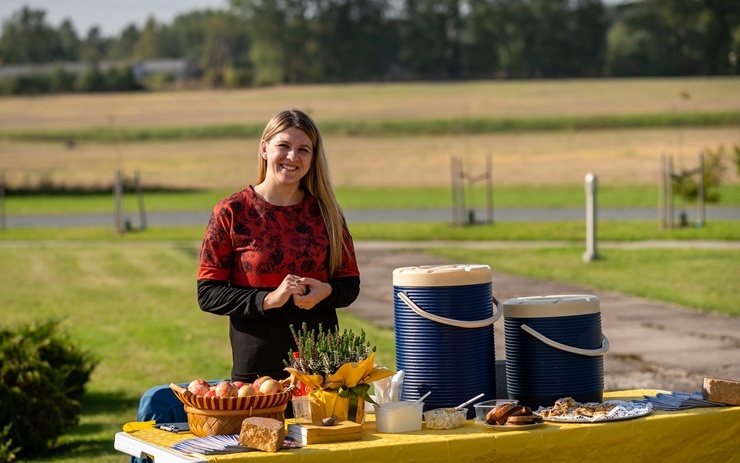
(161, 404)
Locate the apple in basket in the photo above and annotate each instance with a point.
(247, 390)
(226, 389)
(270, 386)
(258, 382)
(198, 387)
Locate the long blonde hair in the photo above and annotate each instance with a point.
(317, 181)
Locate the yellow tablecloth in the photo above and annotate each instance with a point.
(698, 434)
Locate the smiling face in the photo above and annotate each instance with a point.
(288, 155)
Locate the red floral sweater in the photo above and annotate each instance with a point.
(248, 248)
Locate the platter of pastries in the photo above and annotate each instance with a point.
(569, 410)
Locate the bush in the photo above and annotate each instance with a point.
(42, 374)
(714, 169)
(237, 77)
(7, 451)
(90, 80)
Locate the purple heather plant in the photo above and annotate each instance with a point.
(323, 352)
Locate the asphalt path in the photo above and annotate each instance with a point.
(364, 216)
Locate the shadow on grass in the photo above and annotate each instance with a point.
(91, 441)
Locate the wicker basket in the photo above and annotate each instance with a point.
(211, 416)
(217, 422)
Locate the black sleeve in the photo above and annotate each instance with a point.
(219, 298)
(344, 291)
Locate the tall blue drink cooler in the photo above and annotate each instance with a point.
(554, 349)
(444, 319)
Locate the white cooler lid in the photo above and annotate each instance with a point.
(551, 306)
(442, 275)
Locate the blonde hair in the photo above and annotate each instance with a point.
(317, 181)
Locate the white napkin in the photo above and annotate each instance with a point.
(382, 390)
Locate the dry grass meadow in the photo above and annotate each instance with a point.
(542, 158)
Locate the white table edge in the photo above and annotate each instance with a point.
(130, 445)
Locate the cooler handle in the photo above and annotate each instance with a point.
(573, 350)
(449, 321)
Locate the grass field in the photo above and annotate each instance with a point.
(357, 102)
(561, 157)
(618, 157)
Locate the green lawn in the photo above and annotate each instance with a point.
(523, 196)
(563, 231)
(133, 304)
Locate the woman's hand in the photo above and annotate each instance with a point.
(291, 286)
(316, 291)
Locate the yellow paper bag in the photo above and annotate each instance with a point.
(342, 393)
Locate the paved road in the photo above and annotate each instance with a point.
(359, 216)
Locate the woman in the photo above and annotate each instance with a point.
(278, 253)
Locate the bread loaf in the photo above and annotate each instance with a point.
(499, 414)
(724, 391)
(266, 434)
(519, 420)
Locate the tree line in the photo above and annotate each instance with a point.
(260, 42)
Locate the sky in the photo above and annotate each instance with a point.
(112, 16)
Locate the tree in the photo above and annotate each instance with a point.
(93, 46)
(123, 47)
(590, 25)
(69, 42)
(270, 34)
(722, 36)
(356, 40)
(27, 38)
(149, 45)
(223, 42)
(430, 37)
(480, 41)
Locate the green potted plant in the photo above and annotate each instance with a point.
(337, 368)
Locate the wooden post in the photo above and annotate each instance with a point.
(700, 193)
(118, 202)
(453, 184)
(662, 192)
(669, 190)
(461, 192)
(140, 196)
(489, 189)
(3, 224)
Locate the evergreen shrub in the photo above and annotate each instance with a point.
(42, 376)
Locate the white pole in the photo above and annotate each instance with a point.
(591, 188)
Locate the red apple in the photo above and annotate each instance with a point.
(198, 387)
(226, 389)
(210, 393)
(270, 386)
(238, 384)
(246, 391)
(258, 382)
